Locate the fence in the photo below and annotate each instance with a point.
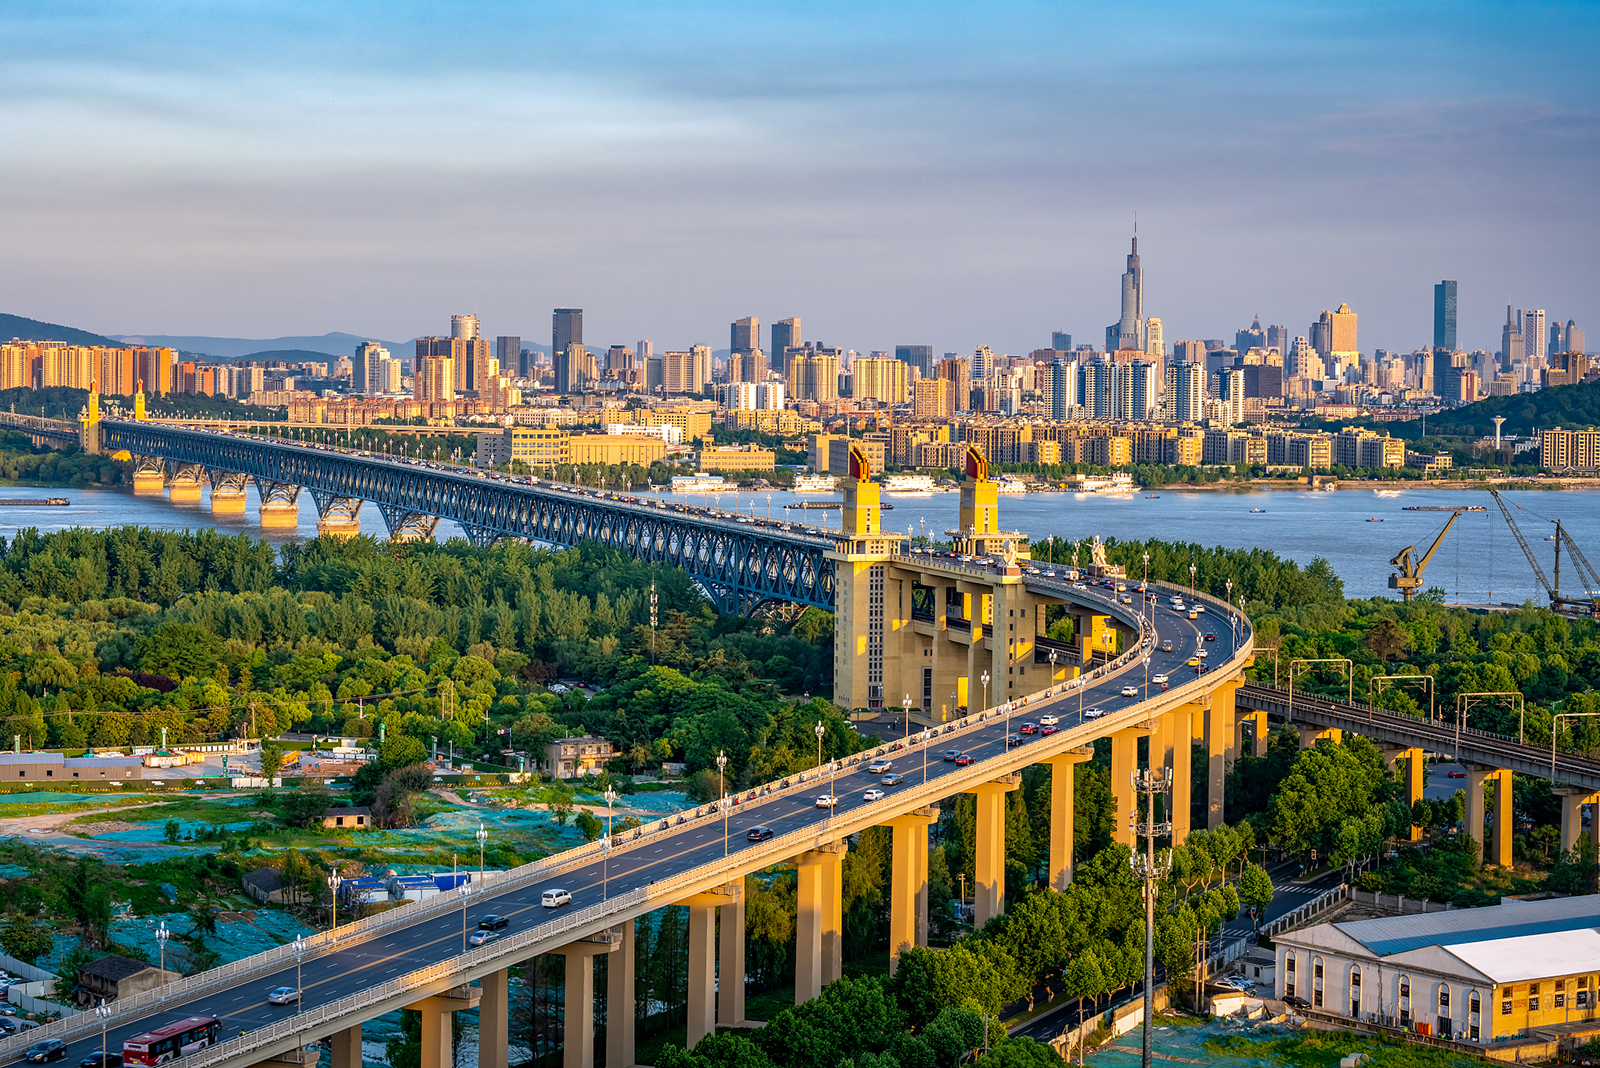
(1311, 909)
(36, 997)
(1398, 902)
(29, 972)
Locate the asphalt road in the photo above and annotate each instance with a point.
(352, 968)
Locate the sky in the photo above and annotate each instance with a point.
(892, 173)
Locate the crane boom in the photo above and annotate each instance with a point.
(1527, 550)
(1586, 572)
(1409, 580)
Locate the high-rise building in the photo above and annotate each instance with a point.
(464, 326)
(1063, 384)
(744, 335)
(1129, 331)
(1322, 335)
(1574, 337)
(935, 399)
(566, 327)
(785, 335)
(1342, 338)
(1511, 342)
(1278, 340)
(619, 362)
(1533, 335)
(433, 378)
(982, 362)
(508, 350)
(687, 372)
(1154, 344)
(364, 368)
(1186, 392)
(1061, 340)
(1189, 352)
(814, 373)
(1444, 315)
(575, 368)
(1253, 338)
(883, 380)
(956, 370)
(918, 356)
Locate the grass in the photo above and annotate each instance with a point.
(53, 808)
(1324, 1049)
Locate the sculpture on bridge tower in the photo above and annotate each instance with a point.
(89, 418)
(138, 404)
(978, 530)
(862, 513)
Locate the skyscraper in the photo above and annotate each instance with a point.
(1533, 335)
(508, 350)
(1253, 338)
(918, 356)
(785, 335)
(1154, 344)
(1574, 337)
(365, 370)
(464, 326)
(1061, 341)
(1444, 315)
(1129, 331)
(1278, 338)
(1511, 349)
(1063, 380)
(566, 328)
(744, 335)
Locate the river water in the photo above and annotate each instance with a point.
(1479, 562)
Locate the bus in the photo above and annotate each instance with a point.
(171, 1042)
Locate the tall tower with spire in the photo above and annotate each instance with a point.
(1128, 333)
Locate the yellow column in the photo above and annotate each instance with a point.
(811, 918)
(1219, 744)
(1501, 851)
(833, 918)
(907, 879)
(227, 500)
(702, 973)
(1476, 777)
(1180, 735)
(921, 881)
(730, 961)
(436, 1038)
(989, 866)
(1416, 764)
(1062, 791)
(493, 1023)
(347, 1047)
(619, 1001)
(1124, 759)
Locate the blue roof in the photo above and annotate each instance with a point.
(1509, 919)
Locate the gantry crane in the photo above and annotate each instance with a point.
(1409, 579)
(1586, 573)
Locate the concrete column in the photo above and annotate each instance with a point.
(1180, 737)
(493, 1022)
(1474, 814)
(702, 972)
(1416, 764)
(435, 1012)
(577, 1024)
(908, 883)
(1500, 851)
(921, 858)
(812, 916)
(619, 1002)
(989, 867)
(1220, 742)
(1310, 736)
(833, 919)
(730, 962)
(1259, 731)
(347, 1047)
(1572, 802)
(1063, 783)
(1124, 760)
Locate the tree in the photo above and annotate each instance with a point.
(26, 940)
(306, 806)
(1019, 1053)
(561, 803)
(271, 759)
(1388, 639)
(1255, 887)
(589, 825)
(171, 831)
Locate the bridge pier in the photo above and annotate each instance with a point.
(703, 960)
(339, 517)
(577, 1019)
(494, 1021)
(1500, 850)
(228, 493)
(347, 1047)
(817, 919)
(1309, 738)
(149, 475)
(1124, 761)
(1220, 741)
(620, 970)
(280, 505)
(408, 526)
(1416, 762)
(989, 866)
(1177, 737)
(1063, 785)
(435, 1013)
(1477, 775)
(1573, 801)
(186, 483)
(908, 882)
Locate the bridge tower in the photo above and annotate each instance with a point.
(89, 418)
(978, 528)
(862, 554)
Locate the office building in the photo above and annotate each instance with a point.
(365, 376)
(918, 356)
(956, 370)
(1128, 333)
(1185, 392)
(785, 336)
(464, 326)
(744, 335)
(576, 368)
(747, 366)
(1278, 340)
(1189, 352)
(982, 362)
(566, 328)
(687, 372)
(1061, 340)
(1063, 383)
(1444, 315)
(739, 396)
(508, 351)
(1342, 344)
(1253, 338)
(1533, 334)
(1511, 348)
(1154, 345)
(433, 378)
(1574, 337)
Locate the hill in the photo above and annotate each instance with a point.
(233, 348)
(1525, 413)
(291, 355)
(33, 330)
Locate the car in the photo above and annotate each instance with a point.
(1194, 661)
(1199, 608)
(874, 794)
(758, 834)
(1029, 728)
(964, 759)
(101, 1060)
(879, 766)
(1193, 614)
(9, 1026)
(1166, 647)
(283, 995)
(827, 800)
(552, 899)
(1045, 732)
(1210, 637)
(1130, 691)
(892, 779)
(1227, 984)
(1094, 713)
(1160, 680)
(952, 754)
(51, 1049)
(1455, 775)
(1049, 720)
(1203, 654)
(492, 922)
(1296, 1002)
(479, 938)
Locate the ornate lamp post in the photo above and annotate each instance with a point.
(482, 837)
(985, 681)
(299, 956)
(162, 934)
(334, 879)
(101, 1010)
(605, 847)
(461, 888)
(722, 798)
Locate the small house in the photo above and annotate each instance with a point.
(112, 977)
(568, 758)
(267, 885)
(350, 818)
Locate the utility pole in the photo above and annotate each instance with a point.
(652, 621)
(1150, 783)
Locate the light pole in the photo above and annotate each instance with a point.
(906, 709)
(483, 837)
(1144, 592)
(461, 888)
(821, 730)
(722, 798)
(299, 956)
(162, 934)
(333, 884)
(1147, 676)
(605, 847)
(104, 1013)
(985, 681)
(1192, 570)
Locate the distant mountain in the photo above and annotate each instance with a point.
(33, 330)
(1570, 406)
(291, 355)
(233, 348)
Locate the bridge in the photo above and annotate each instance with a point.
(41, 431)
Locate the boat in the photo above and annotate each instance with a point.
(701, 483)
(1374, 519)
(1007, 484)
(1443, 508)
(1257, 511)
(33, 502)
(1152, 496)
(908, 484)
(815, 484)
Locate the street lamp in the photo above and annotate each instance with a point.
(102, 1011)
(1052, 667)
(906, 709)
(722, 798)
(299, 990)
(483, 837)
(820, 731)
(162, 934)
(334, 880)
(1192, 570)
(1147, 676)
(605, 847)
(1144, 592)
(461, 888)
(985, 681)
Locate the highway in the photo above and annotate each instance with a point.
(350, 968)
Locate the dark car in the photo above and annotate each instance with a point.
(1296, 1002)
(1210, 637)
(1015, 739)
(758, 834)
(952, 754)
(492, 922)
(101, 1060)
(51, 1049)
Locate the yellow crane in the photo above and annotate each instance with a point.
(1409, 579)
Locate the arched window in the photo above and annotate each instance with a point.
(1446, 1030)
(1405, 1001)
(1288, 973)
(1355, 992)
(1474, 1015)
(1316, 982)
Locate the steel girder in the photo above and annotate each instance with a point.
(746, 564)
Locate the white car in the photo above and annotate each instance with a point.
(1199, 608)
(1049, 720)
(1094, 713)
(1159, 680)
(478, 938)
(874, 795)
(827, 801)
(879, 766)
(283, 995)
(556, 898)
(1130, 691)
(1204, 654)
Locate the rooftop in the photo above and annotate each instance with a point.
(1507, 920)
(114, 968)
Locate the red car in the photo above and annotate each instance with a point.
(964, 759)
(1456, 775)
(1029, 728)
(1045, 732)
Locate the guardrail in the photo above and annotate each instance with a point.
(1311, 909)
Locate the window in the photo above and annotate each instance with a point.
(1355, 992)
(1474, 1018)
(1533, 1004)
(1533, 989)
(1405, 1001)
(1505, 1007)
(1444, 1000)
(1288, 975)
(1583, 999)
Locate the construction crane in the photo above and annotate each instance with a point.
(1409, 579)
(1586, 573)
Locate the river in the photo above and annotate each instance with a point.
(1479, 562)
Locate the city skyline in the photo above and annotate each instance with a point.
(317, 180)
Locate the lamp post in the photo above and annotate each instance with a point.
(1052, 667)
(905, 708)
(722, 798)
(820, 731)
(985, 681)
(461, 888)
(334, 880)
(605, 846)
(1144, 592)
(162, 934)
(1147, 676)
(483, 837)
(1192, 570)
(104, 1013)
(299, 956)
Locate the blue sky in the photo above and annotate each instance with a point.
(931, 173)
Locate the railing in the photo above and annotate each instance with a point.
(1315, 907)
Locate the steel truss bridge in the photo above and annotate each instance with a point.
(742, 563)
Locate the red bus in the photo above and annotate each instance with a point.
(171, 1042)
